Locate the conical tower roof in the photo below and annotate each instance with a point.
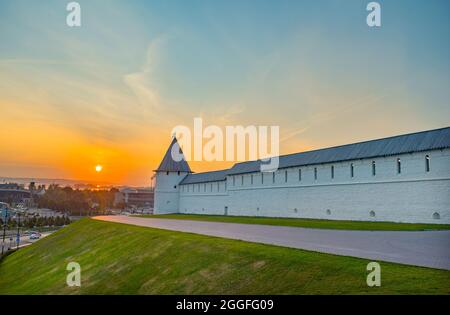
(168, 164)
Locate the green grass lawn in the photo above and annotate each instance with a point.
(126, 259)
(308, 223)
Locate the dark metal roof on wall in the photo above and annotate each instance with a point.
(213, 176)
(409, 143)
(168, 164)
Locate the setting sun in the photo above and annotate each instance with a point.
(98, 168)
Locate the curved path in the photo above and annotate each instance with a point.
(422, 248)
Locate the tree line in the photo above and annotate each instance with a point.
(75, 201)
(32, 221)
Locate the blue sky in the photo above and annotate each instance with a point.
(135, 69)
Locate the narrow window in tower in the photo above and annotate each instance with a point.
(399, 166)
(315, 173)
(352, 171)
(273, 177)
(285, 176)
(251, 179)
(332, 171)
(299, 174)
(427, 163)
(374, 168)
(242, 180)
(262, 178)
(234, 180)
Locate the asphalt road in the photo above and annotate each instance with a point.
(421, 248)
(24, 241)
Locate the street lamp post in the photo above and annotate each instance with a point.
(5, 221)
(18, 230)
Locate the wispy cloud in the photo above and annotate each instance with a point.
(141, 82)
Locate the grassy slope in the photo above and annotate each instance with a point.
(308, 223)
(125, 259)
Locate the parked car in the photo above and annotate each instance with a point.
(35, 236)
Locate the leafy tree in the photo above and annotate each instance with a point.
(67, 221)
(76, 202)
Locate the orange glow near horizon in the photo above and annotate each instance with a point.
(41, 150)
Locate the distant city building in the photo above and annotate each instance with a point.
(139, 197)
(13, 193)
(11, 186)
(403, 178)
(15, 196)
(40, 192)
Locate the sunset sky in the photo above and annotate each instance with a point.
(110, 92)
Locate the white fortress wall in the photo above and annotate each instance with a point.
(413, 195)
(204, 198)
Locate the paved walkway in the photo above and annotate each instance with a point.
(427, 248)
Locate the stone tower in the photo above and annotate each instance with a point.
(168, 175)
